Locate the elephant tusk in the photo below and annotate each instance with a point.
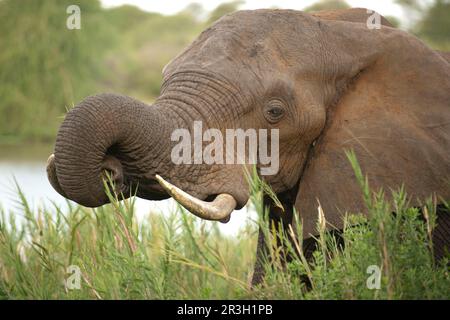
(218, 210)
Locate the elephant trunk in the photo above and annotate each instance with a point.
(129, 140)
(89, 141)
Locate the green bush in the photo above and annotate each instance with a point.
(46, 67)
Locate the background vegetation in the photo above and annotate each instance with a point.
(46, 68)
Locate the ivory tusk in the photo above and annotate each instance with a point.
(218, 210)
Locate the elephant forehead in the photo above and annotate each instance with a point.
(251, 39)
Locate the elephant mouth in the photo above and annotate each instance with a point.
(215, 207)
(148, 189)
(218, 209)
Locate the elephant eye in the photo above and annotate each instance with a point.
(274, 111)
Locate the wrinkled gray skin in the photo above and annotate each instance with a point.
(340, 85)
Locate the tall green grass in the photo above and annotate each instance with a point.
(399, 245)
(176, 256)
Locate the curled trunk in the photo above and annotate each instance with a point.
(86, 143)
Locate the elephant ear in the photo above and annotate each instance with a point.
(392, 108)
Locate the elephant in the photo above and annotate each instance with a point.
(325, 81)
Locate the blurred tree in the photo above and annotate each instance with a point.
(327, 5)
(195, 10)
(224, 9)
(435, 24)
(394, 20)
(431, 21)
(127, 16)
(413, 4)
(44, 67)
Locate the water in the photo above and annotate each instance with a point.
(27, 164)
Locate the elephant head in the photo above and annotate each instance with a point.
(326, 85)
